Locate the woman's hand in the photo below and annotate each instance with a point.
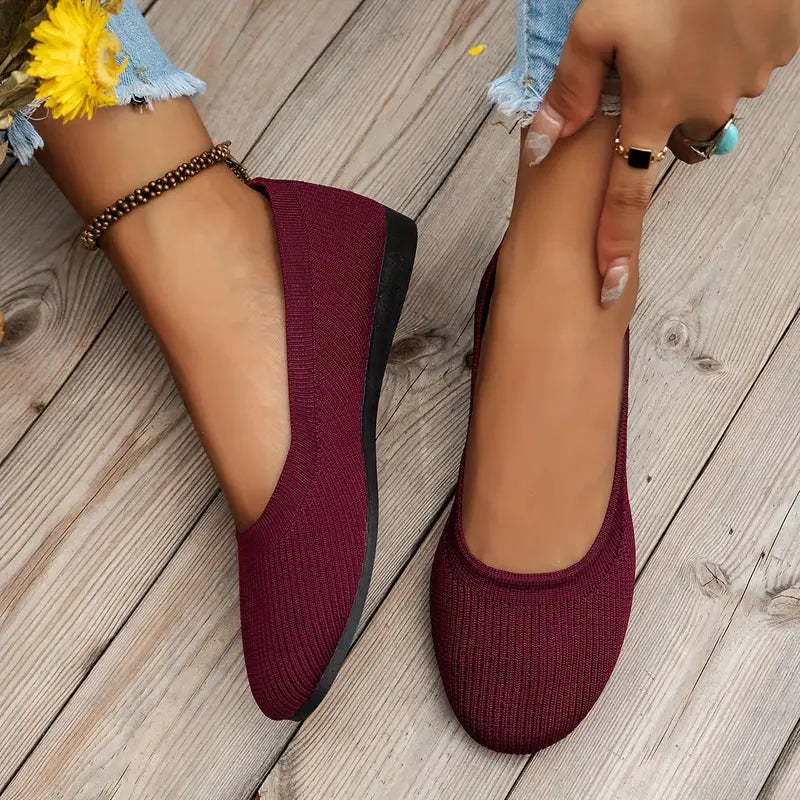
(681, 63)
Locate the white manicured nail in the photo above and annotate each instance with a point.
(543, 134)
(614, 283)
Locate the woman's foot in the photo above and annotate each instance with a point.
(542, 443)
(283, 295)
(203, 265)
(532, 581)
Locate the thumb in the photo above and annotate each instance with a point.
(634, 170)
(574, 93)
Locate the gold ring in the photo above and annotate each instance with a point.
(638, 157)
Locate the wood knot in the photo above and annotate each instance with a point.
(417, 348)
(673, 339)
(21, 321)
(711, 579)
(786, 604)
(707, 364)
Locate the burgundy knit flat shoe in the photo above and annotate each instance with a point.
(305, 564)
(523, 658)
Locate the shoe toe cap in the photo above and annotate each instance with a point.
(510, 723)
(521, 671)
(294, 612)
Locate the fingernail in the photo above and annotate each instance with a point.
(614, 283)
(544, 132)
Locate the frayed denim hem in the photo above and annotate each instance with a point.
(516, 98)
(174, 83)
(24, 139)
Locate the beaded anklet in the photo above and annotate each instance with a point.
(219, 154)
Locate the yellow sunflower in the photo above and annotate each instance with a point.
(75, 59)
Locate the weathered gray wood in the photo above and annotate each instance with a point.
(95, 501)
(55, 296)
(157, 684)
(719, 271)
(784, 781)
(47, 597)
(416, 47)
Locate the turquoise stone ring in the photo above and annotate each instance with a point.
(728, 141)
(724, 141)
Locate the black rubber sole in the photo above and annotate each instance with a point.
(398, 260)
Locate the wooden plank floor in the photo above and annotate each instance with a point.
(121, 672)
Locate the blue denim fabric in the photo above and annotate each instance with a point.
(148, 76)
(542, 28)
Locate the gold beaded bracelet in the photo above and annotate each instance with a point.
(219, 154)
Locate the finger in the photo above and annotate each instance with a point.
(630, 187)
(574, 92)
(706, 127)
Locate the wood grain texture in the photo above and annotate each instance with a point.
(251, 54)
(413, 49)
(720, 284)
(95, 501)
(157, 683)
(784, 780)
(48, 601)
(55, 296)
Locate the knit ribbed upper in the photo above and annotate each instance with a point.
(300, 563)
(523, 658)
